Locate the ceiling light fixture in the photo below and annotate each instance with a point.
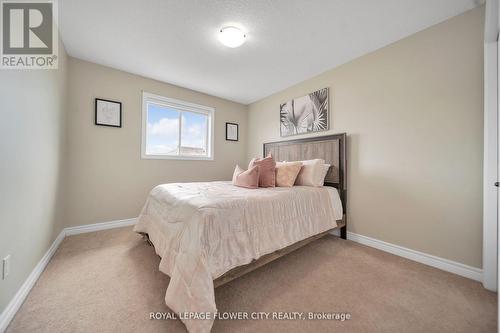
(232, 36)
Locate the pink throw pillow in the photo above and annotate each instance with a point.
(246, 178)
(267, 175)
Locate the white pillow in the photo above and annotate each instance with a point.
(312, 173)
(326, 168)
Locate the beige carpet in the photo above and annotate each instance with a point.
(109, 281)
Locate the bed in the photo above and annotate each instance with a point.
(209, 233)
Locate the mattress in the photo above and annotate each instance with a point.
(202, 230)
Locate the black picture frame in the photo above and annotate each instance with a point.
(107, 101)
(237, 132)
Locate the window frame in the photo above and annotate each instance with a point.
(179, 106)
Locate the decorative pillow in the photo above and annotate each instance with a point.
(325, 171)
(246, 178)
(286, 173)
(311, 173)
(267, 176)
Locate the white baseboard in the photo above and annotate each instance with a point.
(99, 226)
(421, 257)
(10, 311)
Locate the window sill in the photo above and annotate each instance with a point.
(172, 157)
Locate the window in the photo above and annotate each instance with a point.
(173, 129)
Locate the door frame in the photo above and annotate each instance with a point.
(491, 204)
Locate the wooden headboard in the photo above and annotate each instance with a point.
(331, 148)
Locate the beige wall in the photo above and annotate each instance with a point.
(413, 113)
(32, 135)
(108, 180)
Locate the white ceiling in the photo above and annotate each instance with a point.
(175, 41)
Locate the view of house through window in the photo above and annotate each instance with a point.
(176, 129)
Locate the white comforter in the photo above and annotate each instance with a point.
(202, 230)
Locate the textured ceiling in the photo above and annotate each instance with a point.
(288, 40)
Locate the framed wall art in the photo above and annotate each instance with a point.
(305, 114)
(231, 132)
(108, 113)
